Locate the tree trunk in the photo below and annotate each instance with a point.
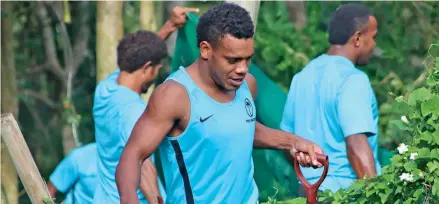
(9, 103)
(148, 21)
(297, 13)
(251, 6)
(109, 31)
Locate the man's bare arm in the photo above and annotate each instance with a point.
(148, 181)
(360, 156)
(269, 138)
(52, 189)
(154, 124)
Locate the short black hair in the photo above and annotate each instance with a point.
(222, 19)
(347, 20)
(136, 49)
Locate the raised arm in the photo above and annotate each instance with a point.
(269, 138)
(177, 20)
(154, 124)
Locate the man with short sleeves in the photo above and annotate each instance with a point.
(117, 106)
(76, 176)
(331, 102)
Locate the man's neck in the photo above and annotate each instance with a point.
(129, 80)
(341, 50)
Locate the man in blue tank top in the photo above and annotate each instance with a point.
(203, 120)
(331, 102)
(118, 105)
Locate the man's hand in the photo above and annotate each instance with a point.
(176, 21)
(304, 146)
(179, 15)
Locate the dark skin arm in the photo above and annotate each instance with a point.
(155, 123)
(268, 138)
(52, 190)
(177, 20)
(360, 156)
(148, 181)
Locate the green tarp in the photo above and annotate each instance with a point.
(272, 170)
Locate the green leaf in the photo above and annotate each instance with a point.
(398, 189)
(434, 153)
(435, 136)
(435, 188)
(421, 94)
(399, 99)
(370, 191)
(401, 125)
(431, 106)
(397, 160)
(362, 200)
(432, 166)
(424, 153)
(381, 186)
(410, 166)
(358, 185)
(426, 136)
(417, 193)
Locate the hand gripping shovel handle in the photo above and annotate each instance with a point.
(311, 189)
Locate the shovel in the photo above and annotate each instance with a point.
(311, 189)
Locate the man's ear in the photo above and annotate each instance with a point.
(205, 50)
(357, 39)
(145, 66)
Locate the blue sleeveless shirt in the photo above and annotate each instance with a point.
(211, 161)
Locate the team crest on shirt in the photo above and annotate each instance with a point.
(249, 109)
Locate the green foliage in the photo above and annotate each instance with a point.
(273, 200)
(281, 50)
(413, 175)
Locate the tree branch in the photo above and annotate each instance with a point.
(40, 97)
(49, 43)
(40, 125)
(80, 50)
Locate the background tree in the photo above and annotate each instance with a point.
(109, 31)
(9, 103)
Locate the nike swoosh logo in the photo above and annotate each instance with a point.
(202, 120)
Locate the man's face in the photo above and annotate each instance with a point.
(229, 61)
(149, 75)
(368, 42)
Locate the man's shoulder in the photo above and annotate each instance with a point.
(356, 76)
(170, 89)
(169, 96)
(86, 150)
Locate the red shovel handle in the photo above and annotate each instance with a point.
(160, 200)
(311, 189)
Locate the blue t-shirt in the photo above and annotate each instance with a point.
(328, 101)
(116, 110)
(76, 175)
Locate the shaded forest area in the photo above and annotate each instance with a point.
(54, 53)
